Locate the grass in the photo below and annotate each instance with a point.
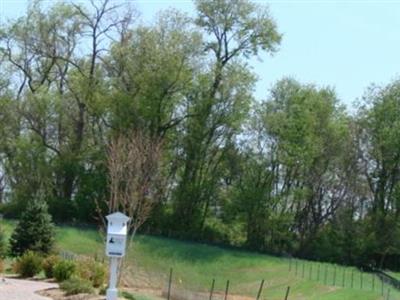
(394, 274)
(195, 265)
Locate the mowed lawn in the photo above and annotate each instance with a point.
(194, 266)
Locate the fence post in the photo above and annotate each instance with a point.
(352, 277)
(388, 294)
(302, 270)
(287, 293)
(343, 276)
(361, 280)
(169, 283)
(319, 268)
(382, 286)
(296, 267)
(310, 272)
(334, 276)
(373, 281)
(290, 264)
(226, 290)
(212, 288)
(260, 289)
(326, 274)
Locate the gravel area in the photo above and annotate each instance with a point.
(18, 289)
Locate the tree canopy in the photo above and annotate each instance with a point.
(294, 173)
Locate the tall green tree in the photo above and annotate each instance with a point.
(379, 149)
(309, 134)
(57, 96)
(219, 102)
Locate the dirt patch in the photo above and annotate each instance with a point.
(57, 294)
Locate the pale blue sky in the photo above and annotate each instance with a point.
(343, 44)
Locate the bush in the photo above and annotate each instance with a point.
(64, 270)
(1, 266)
(34, 231)
(94, 271)
(3, 244)
(29, 264)
(48, 265)
(75, 285)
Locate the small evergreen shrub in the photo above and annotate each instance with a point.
(64, 270)
(75, 285)
(3, 244)
(35, 230)
(94, 271)
(48, 265)
(29, 264)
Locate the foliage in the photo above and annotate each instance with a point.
(34, 230)
(219, 103)
(294, 174)
(379, 145)
(63, 270)
(76, 285)
(29, 264)
(93, 271)
(48, 265)
(3, 244)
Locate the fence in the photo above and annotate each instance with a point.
(344, 277)
(171, 287)
(174, 292)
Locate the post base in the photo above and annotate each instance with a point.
(112, 294)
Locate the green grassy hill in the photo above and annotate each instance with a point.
(195, 266)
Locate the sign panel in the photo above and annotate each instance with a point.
(115, 245)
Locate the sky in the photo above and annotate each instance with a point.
(346, 45)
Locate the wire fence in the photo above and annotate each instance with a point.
(174, 291)
(172, 286)
(344, 277)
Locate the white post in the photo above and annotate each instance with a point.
(112, 292)
(117, 230)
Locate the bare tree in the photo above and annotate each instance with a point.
(135, 179)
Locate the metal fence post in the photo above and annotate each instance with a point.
(212, 288)
(260, 289)
(169, 284)
(287, 293)
(226, 290)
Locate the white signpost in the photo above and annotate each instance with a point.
(117, 230)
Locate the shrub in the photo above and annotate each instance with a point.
(35, 231)
(75, 285)
(1, 266)
(94, 271)
(3, 244)
(29, 264)
(64, 270)
(48, 265)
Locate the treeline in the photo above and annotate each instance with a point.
(294, 174)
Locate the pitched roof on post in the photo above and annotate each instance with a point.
(117, 216)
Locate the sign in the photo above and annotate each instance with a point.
(117, 230)
(116, 245)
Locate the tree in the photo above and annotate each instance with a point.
(34, 231)
(378, 143)
(135, 178)
(57, 104)
(309, 135)
(218, 103)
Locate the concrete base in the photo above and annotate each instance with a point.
(112, 294)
